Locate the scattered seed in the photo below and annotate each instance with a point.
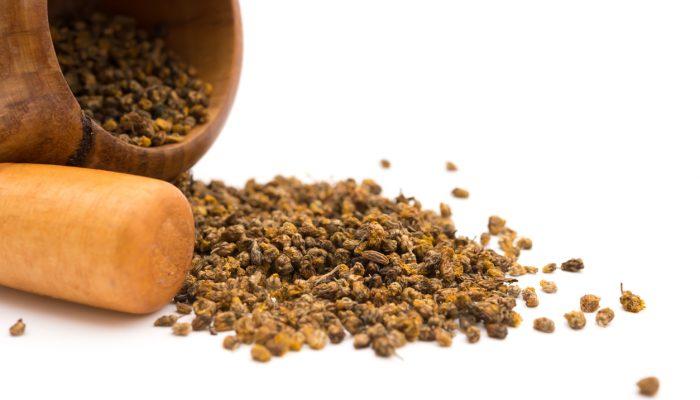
(460, 193)
(231, 342)
(315, 338)
(543, 324)
(573, 265)
(201, 323)
(361, 341)
(183, 308)
(443, 338)
(524, 243)
(182, 329)
(631, 302)
(514, 291)
(260, 353)
(445, 210)
(18, 328)
(496, 225)
(531, 270)
(575, 319)
(530, 297)
(496, 330)
(517, 270)
(382, 347)
(279, 345)
(397, 338)
(549, 268)
(648, 386)
(548, 286)
(166, 321)
(514, 320)
(485, 239)
(224, 321)
(590, 303)
(604, 317)
(473, 334)
(336, 333)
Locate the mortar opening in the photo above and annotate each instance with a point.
(125, 76)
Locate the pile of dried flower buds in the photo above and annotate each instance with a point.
(287, 264)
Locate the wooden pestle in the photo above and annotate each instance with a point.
(94, 237)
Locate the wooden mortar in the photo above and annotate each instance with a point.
(40, 119)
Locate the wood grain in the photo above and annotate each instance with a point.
(40, 120)
(104, 239)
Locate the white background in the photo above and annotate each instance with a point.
(576, 121)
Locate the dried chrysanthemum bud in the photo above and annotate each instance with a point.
(204, 308)
(224, 321)
(543, 324)
(336, 333)
(514, 291)
(166, 320)
(473, 334)
(231, 342)
(604, 317)
(382, 347)
(548, 286)
(496, 331)
(315, 338)
(575, 319)
(260, 353)
(530, 297)
(443, 338)
(505, 243)
(18, 328)
(648, 386)
(517, 270)
(590, 303)
(460, 193)
(631, 302)
(549, 268)
(445, 210)
(279, 344)
(384, 163)
(375, 256)
(524, 243)
(496, 225)
(531, 270)
(514, 319)
(201, 323)
(573, 265)
(397, 338)
(182, 329)
(296, 341)
(450, 166)
(361, 341)
(485, 238)
(183, 308)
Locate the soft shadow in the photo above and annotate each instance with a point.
(22, 301)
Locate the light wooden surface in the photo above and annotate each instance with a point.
(104, 239)
(40, 120)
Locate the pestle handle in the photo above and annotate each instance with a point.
(99, 238)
